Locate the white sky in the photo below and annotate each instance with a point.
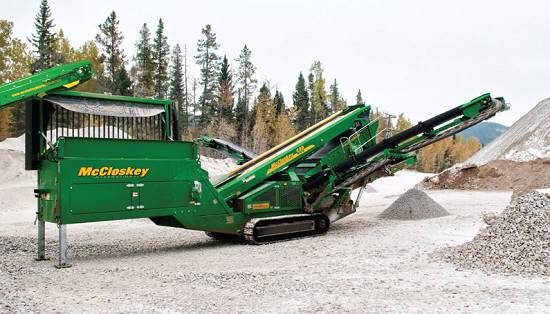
(417, 57)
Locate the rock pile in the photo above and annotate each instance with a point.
(527, 139)
(414, 205)
(516, 241)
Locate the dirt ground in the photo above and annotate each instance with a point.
(495, 175)
(364, 264)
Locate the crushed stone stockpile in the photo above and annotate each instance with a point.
(495, 175)
(527, 139)
(414, 205)
(516, 241)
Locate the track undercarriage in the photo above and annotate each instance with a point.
(265, 230)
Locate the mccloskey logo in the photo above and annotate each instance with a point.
(293, 155)
(112, 172)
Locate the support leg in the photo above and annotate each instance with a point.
(361, 189)
(62, 262)
(41, 239)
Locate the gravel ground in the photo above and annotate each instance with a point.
(364, 264)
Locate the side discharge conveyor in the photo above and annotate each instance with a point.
(228, 149)
(103, 157)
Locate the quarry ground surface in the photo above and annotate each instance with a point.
(363, 264)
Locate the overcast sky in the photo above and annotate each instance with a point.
(416, 57)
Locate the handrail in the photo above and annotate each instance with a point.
(348, 139)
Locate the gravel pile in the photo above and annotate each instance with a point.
(414, 205)
(516, 241)
(527, 139)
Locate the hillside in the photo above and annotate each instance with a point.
(485, 132)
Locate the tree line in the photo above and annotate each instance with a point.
(219, 101)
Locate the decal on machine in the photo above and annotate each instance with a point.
(293, 155)
(260, 205)
(112, 172)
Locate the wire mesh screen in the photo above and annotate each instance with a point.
(62, 122)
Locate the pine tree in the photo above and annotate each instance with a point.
(247, 85)
(279, 102)
(43, 40)
(208, 61)
(319, 106)
(144, 67)
(110, 40)
(337, 103)
(359, 98)
(161, 52)
(300, 100)
(176, 87)
(310, 81)
(195, 85)
(252, 115)
(123, 83)
(240, 115)
(225, 92)
(222, 125)
(185, 86)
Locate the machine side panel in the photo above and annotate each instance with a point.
(102, 179)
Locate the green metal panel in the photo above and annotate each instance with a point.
(90, 198)
(92, 148)
(167, 194)
(274, 196)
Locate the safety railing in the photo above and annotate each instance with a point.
(62, 122)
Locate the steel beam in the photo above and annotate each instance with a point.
(41, 238)
(62, 261)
